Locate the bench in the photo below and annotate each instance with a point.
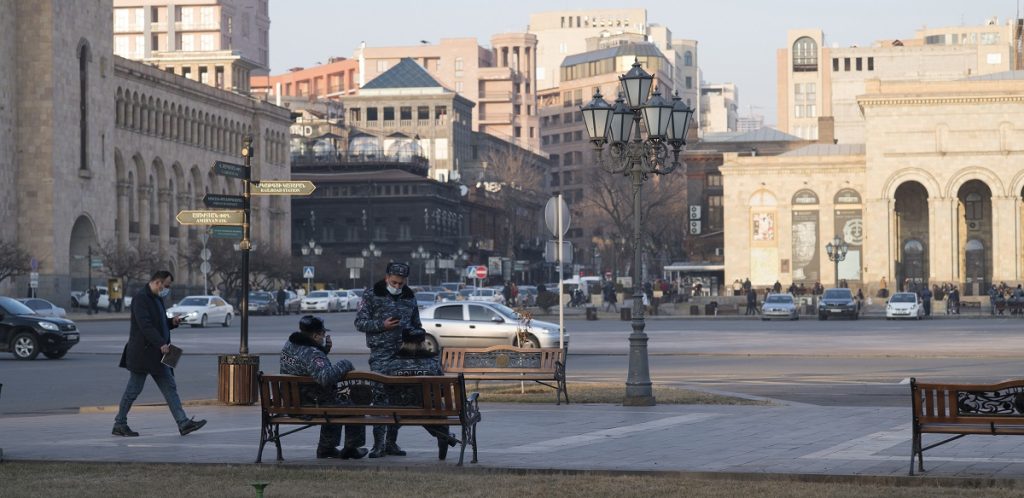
(425, 401)
(963, 409)
(541, 365)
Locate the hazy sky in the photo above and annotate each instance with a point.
(737, 38)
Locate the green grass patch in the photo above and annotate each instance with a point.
(591, 392)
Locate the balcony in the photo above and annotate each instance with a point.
(495, 96)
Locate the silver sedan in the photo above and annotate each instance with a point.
(779, 306)
(482, 324)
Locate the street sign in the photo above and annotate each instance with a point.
(307, 272)
(231, 169)
(33, 280)
(356, 263)
(551, 216)
(34, 264)
(204, 254)
(204, 267)
(481, 272)
(283, 187)
(226, 232)
(196, 217)
(353, 273)
(96, 263)
(224, 201)
(471, 271)
(551, 251)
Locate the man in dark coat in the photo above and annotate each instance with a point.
(388, 314)
(305, 353)
(148, 341)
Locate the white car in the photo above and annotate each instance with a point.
(482, 324)
(198, 311)
(80, 299)
(904, 305)
(492, 295)
(321, 301)
(349, 299)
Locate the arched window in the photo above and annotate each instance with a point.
(688, 58)
(805, 55)
(973, 208)
(83, 108)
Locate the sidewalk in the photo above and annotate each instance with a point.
(785, 438)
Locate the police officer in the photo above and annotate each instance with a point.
(387, 314)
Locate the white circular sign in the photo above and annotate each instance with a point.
(205, 267)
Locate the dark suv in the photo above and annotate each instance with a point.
(26, 334)
(837, 302)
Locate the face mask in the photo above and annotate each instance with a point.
(165, 292)
(394, 290)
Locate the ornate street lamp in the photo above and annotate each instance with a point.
(372, 252)
(315, 249)
(836, 250)
(421, 255)
(666, 124)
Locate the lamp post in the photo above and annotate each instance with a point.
(421, 255)
(372, 252)
(311, 247)
(836, 249)
(637, 158)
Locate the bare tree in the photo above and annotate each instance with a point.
(13, 261)
(127, 264)
(520, 175)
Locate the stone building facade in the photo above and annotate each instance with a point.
(97, 149)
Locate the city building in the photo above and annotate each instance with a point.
(749, 123)
(100, 151)
(499, 81)
(815, 79)
(335, 79)
(718, 105)
(220, 43)
(934, 194)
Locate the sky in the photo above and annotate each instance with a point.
(737, 39)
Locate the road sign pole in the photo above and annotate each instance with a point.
(561, 278)
(244, 246)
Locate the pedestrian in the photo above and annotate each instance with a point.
(94, 300)
(751, 301)
(610, 300)
(515, 294)
(992, 292)
(305, 353)
(506, 293)
(883, 288)
(926, 298)
(389, 315)
(737, 286)
(282, 297)
(149, 339)
(777, 287)
(954, 300)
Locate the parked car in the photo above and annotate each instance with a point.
(323, 300)
(25, 334)
(904, 305)
(43, 307)
(484, 294)
(80, 299)
(447, 296)
(779, 306)
(262, 303)
(349, 299)
(200, 310)
(453, 286)
(424, 299)
(837, 302)
(482, 324)
(527, 295)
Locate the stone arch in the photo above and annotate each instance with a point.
(975, 173)
(897, 178)
(82, 242)
(119, 107)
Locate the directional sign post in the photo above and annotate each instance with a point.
(195, 217)
(227, 232)
(233, 170)
(224, 201)
(283, 187)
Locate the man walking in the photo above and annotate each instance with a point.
(148, 341)
(610, 300)
(94, 300)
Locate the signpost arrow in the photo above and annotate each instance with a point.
(226, 232)
(283, 187)
(231, 169)
(224, 201)
(195, 217)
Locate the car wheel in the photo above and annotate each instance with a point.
(202, 322)
(55, 355)
(227, 320)
(529, 342)
(25, 346)
(430, 344)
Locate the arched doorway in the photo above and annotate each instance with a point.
(911, 210)
(974, 237)
(83, 255)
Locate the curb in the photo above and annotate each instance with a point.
(83, 410)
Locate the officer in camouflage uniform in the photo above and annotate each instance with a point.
(385, 312)
(305, 353)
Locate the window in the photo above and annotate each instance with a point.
(689, 82)
(83, 107)
(453, 312)
(389, 114)
(568, 160)
(973, 206)
(206, 42)
(688, 58)
(859, 66)
(714, 180)
(835, 64)
(715, 220)
(555, 180)
(935, 40)
(805, 55)
(846, 63)
(405, 112)
(382, 66)
(423, 112)
(458, 67)
(458, 86)
(871, 63)
(481, 314)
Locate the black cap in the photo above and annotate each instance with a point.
(310, 324)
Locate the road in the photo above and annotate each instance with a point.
(850, 363)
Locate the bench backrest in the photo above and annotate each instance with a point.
(434, 396)
(967, 403)
(504, 358)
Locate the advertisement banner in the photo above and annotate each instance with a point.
(806, 256)
(850, 226)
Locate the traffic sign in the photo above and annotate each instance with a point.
(96, 263)
(551, 216)
(481, 272)
(226, 232)
(204, 267)
(551, 251)
(33, 280)
(307, 272)
(196, 217)
(471, 271)
(231, 169)
(34, 264)
(204, 254)
(224, 201)
(283, 187)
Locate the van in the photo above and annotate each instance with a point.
(586, 284)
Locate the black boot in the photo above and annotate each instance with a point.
(378, 450)
(391, 444)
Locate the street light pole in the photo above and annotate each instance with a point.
(836, 250)
(372, 252)
(311, 248)
(667, 124)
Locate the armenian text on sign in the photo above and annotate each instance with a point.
(283, 187)
(192, 217)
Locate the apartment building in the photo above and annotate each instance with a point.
(337, 78)
(718, 109)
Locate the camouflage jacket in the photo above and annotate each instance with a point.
(302, 356)
(377, 306)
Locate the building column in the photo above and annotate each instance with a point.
(878, 255)
(144, 192)
(164, 216)
(124, 190)
(943, 246)
(1005, 234)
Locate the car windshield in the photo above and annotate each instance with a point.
(903, 298)
(837, 294)
(776, 299)
(319, 294)
(14, 307)
(506, 311)
(259, 296)
(358, 292)
(193, 301)
(425, 296)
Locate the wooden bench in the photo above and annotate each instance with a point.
(426, 401)
(541, 365)
(963, 409)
